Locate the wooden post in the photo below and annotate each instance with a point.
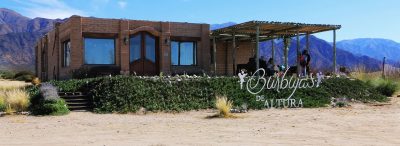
(233, 54)
(298, 53)
(383, 67)
(334, 51)
(273, 52)
(286, 49)
(308, 42)
(214, 55)
(257, 47)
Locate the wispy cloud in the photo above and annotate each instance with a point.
(48, 9)
(122, 4)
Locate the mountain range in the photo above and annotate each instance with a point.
(18, 35)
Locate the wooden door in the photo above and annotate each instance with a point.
(144, 52)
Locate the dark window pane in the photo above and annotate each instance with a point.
(135, 51)
(174, 53)
(67, 53)
(150, 48)
(187, 53)
(99, 51)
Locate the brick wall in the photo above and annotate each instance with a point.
(224, 55)
(76, 27)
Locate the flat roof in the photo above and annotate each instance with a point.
(269, 30)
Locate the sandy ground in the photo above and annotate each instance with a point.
(358, 125)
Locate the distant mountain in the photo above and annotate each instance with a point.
(18, 35)
(218, 26)
(321, 55)
(373, 47)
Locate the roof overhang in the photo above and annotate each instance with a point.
(269, 30)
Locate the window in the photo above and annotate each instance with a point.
(135, 48)
(66, 53)
(183, 53)
(99, 51)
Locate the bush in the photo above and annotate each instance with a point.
(387, 88)
(95, 71)
(53, 107)
(2, 104)
(24, 76)
(6, 75)
(128, 94)
(224, 106)
(15, 100)
(352, 89)
(75, 85)
(45, 101)
(49, 92)
(35, 81)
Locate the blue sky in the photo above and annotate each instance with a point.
(359, 18)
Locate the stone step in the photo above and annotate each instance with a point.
(77, 101)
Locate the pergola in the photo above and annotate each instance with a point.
(268, 30)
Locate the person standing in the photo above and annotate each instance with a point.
(305, 62)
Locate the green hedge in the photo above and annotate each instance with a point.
(40, 106)
(129, 93)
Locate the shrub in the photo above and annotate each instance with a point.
(6, 75)
(24, 76)
(2, 104)
(16, 100)
(54, 107)
(35, 81)
(49, 92)
(127, 94)
(75, 85)
(387, 87)
(45, 101)
(224, 106)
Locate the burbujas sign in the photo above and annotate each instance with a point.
(258, 82)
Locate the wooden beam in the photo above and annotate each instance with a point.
(233, 54)
(273, 52)
(257, 47)
(298, 53)
(308, 42)
(214, 55)
(334, 51)
(286, 51)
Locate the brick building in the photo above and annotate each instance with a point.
(117, 46)
(123, 46)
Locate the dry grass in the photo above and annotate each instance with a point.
(13, 96)
(392, 75)
(35, 81)
(16, 100)
(224, 107)
(9, 85)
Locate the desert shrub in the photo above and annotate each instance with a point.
(224, 106)
(35, 81)
(387, 87)
(24, 76)
(6, 75)
(352, 89)
(45, 100)
(15, 100)
(52, 107)
(49, 92)
(2, 104)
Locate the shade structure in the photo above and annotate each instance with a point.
(257, 31)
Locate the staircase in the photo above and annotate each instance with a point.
(77, 101)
